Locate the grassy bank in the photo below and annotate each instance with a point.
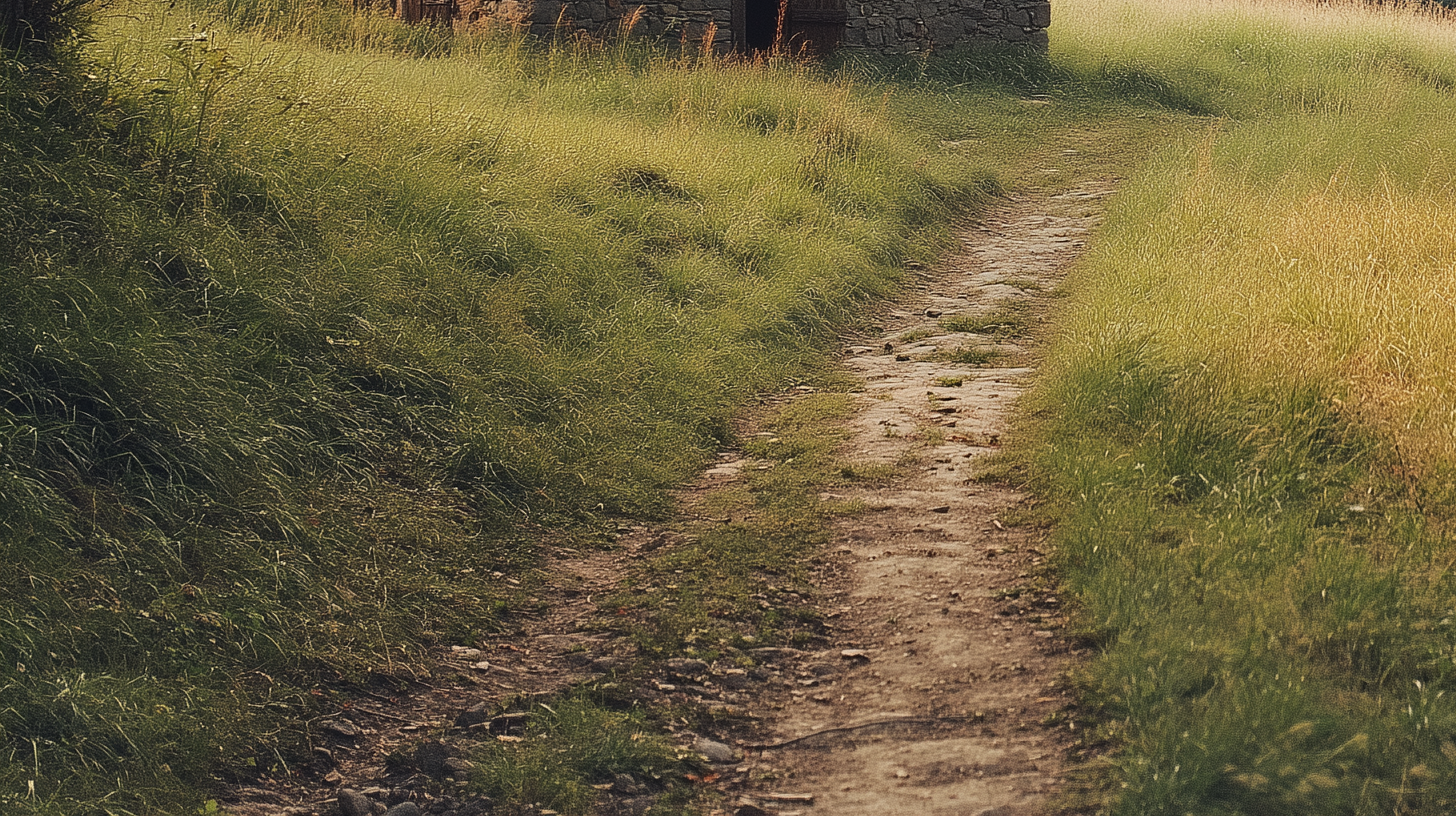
(306, 349)
(1248, 417)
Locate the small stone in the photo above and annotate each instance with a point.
(751, 810)
(855, 654)
(506, 723)
(686, 666)
(340, 728)
(404, 809)
(733, 679)
(944, 508)
(625, 784)
(770, 654)
(901, 773)
(483, 665)
(609, 664)
(714, 751)
(354, 803)
(455, 766)
(475, 715)
(933, 312)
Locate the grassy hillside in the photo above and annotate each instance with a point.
(1249, 418)
(309, 342)
(306, 349)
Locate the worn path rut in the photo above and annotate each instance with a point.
(941, 692)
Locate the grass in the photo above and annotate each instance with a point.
(303, 346)
(971, 355)
(317, 323)
(1003, 322)
(748, 580)
(1244, 421)
(570, 746)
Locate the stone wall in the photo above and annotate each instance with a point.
(899, 26)
(888, 26)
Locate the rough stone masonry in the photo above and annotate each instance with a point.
(748, 26)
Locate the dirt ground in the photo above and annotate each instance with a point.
(941, 692)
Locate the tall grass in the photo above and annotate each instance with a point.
(304, 349)
(1248, 416)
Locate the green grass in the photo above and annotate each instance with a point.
(971, 355)
(1242, 426)
(570, 746)
(1003, 322)
(303, 345)
(747, 577)
(316, 324)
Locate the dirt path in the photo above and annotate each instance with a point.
(937, 695)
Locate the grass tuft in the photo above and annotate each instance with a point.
(570, 746)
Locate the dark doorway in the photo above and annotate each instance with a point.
(815, 26)
(760, 24)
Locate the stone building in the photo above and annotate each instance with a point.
(748, 26)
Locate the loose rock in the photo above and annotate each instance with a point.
(686, 666)
(354, 803)
(340, 728)
(475, 715)
(455, 766)
(714, 751)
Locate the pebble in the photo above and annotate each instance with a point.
(354, 803)
(609, 664)
(686, 666)
(770, 654)
(340, 728)
(714, 751)
(733, 679)
(404, 809)
(475, 715)
(455, 766)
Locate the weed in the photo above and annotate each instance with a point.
(914, 335)
(1006, 321)
(568, 747)
(949, 382)
(971, 355)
